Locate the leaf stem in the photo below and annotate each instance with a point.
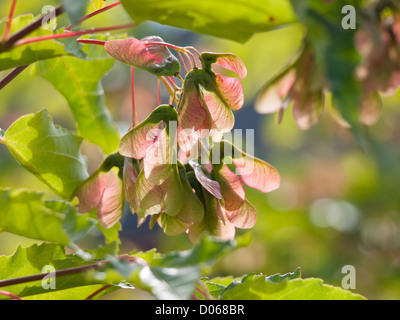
(94, 13)
(9, 294)
(185, 50)
(167, 85)
(190, 61)
(72, 34)
(183, 61)
(159, 91)
(9, 22)
(165, 44)
(90, 297)
(91, 41)
(135, 120)
(9, 77)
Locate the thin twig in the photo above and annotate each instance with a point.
(9, 22)
(72, 34)
(94, 13)
(165, 44)
(28, 29)
(194, 297)
(58, 273)
(9, 77)
(90, 297)
(183, 61)
(204, 291)
(91, 41)
(190, 61)
(167, 85)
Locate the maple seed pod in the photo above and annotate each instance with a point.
(156, 59)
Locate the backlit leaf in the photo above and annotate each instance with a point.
(48, 151)
(240, 19)
(156, 59)
(103, 190)
(29, 53)
(26, 213)
(79, 82)
(137, 141)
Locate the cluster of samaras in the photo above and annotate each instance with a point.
(161, 169)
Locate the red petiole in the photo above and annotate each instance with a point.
(92, 41)
(72, 34)
(7, 30)
(95, 13)
(9, 294)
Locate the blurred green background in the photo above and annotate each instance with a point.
(337, 205)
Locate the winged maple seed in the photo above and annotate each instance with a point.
(378, 43)
(164, 177)
(302, 84)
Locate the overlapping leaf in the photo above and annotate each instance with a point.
(26, 213)
(170, 276)
(79, 82)
(48, 151)
(29, 53)
(277, 287)
(239, 21)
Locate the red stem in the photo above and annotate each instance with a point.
(135, 120)
(9, 22)
(28, 29)
(92, 41)
(98, 291)
(93, 14)
(72, 34)
(164, 44)
(9, 294)
(172, 80)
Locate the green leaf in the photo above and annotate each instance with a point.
(170, 276)
(25, 213)
(287, 276)
(101, 252)
(111, 235)
(79, 82)
(29, 53)
(75, 225)
(98, 4)
(278, 287)
(239, 21)
(48, 151)
(78, 293)
(30, 261)
(75, 9)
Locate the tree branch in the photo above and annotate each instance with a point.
(8, 78)
(58, 273)
(27, 30)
